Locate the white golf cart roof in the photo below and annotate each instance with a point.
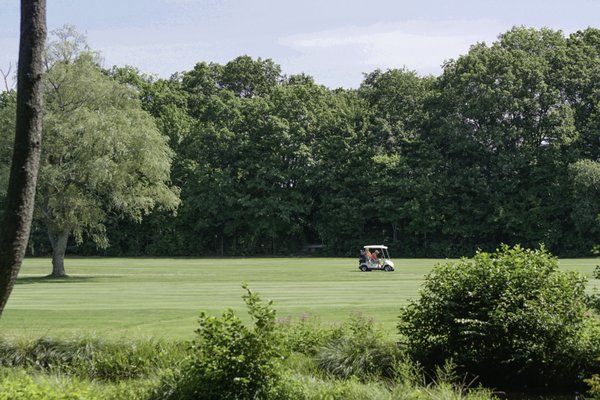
(376, 246)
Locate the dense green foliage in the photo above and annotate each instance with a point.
(502, 147)
(510, 317)
(491, 151)
(230, 360)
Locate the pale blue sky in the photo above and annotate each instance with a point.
(334, 41)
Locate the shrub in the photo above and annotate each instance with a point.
(594, 386)
(510, 317)
(596, 273)
(307, 335)
(131, 360)
(230, 360)
(360, 350)
(88, 357)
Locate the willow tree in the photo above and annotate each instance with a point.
(18, 211)
(103, 157)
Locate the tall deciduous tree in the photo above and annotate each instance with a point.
(103, 157)
(22, 183)
(396, 102)
(502, 129)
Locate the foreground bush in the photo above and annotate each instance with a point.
(510, 317)
(230, 360)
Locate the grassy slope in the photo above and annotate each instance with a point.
(162, 297)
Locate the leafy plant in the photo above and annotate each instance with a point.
(596, 274)
(594, 386)
(230, 360)
(511, 317)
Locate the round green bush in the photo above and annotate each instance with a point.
(511, 317)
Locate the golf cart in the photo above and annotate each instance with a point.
(375, 258)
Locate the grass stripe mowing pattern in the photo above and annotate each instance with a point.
(161, 297)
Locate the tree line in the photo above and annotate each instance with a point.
(502, 147)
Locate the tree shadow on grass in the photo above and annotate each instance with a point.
(27, 280)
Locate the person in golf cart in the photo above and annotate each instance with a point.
(375, 258)
(369, 261)
(366, 257)
(363, 256)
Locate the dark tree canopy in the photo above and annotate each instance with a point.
(500, 148)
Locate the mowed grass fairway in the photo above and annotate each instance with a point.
(162, 297)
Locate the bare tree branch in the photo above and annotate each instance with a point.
(5, 77)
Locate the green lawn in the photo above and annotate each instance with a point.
(161, 297)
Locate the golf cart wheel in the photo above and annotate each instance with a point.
(363, 268)
(387, 268)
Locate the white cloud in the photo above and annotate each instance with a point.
(419, 45)
(161, 59)
(336, 57)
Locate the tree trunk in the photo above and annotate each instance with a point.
(59, 246)
(20, 195)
